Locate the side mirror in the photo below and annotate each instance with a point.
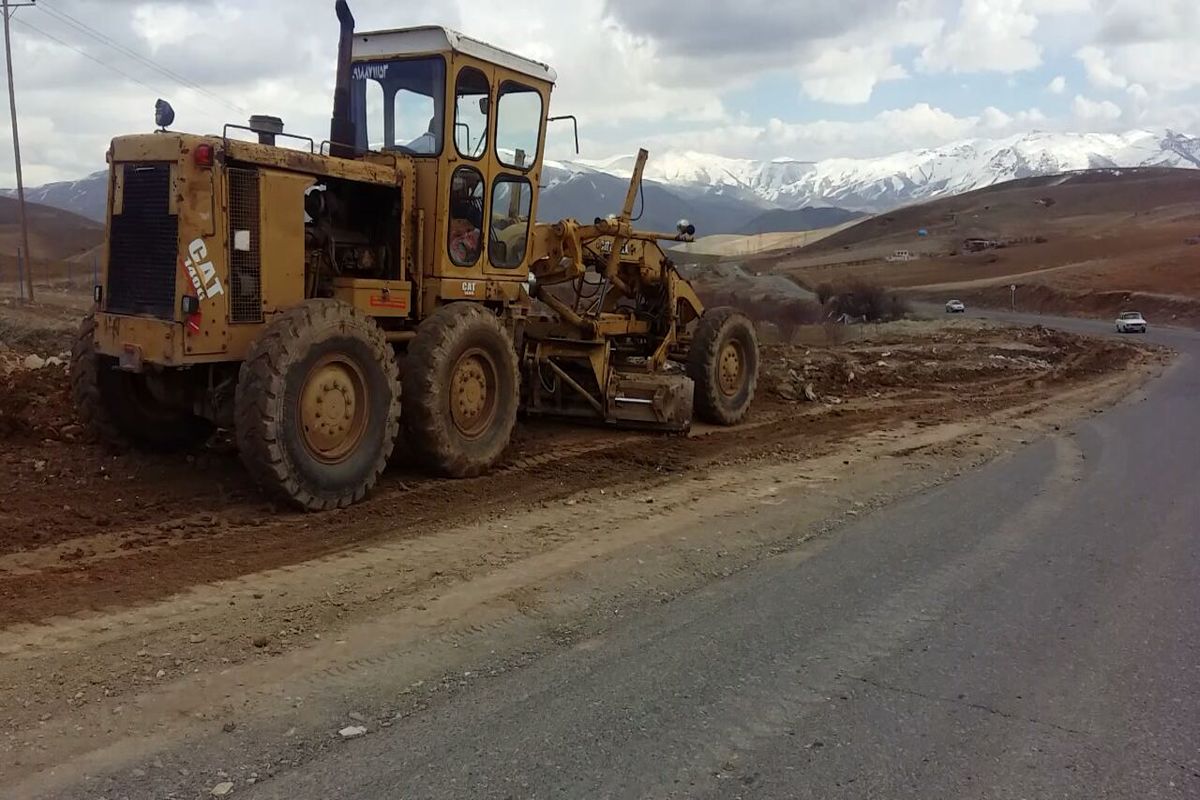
(483, 106)
(574, 122)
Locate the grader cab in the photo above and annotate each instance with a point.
(327, 300)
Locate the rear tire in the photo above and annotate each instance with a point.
(723, 362)
(461, 390)
(119, 407)
(317, 406)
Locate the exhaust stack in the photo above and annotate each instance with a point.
(342, 133)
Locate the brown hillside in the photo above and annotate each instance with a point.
(54, 235)
(1123, 232)
(1012, 209)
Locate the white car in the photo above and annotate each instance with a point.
(955, 307)
(1131, 322)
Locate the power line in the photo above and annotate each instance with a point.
(108, 41)
(87, 55)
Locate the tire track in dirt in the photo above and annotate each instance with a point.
(144, 564)
(151, 527)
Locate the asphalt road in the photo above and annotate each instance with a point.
(1030, 630)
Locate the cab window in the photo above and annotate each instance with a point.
(398, 104)
(508, 237)
(518, 125)
(471, 113)
(464, 236)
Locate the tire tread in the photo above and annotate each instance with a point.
(258, 417)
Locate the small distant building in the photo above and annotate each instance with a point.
(902, 255)
(979, 245)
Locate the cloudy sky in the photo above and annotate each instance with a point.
(805, 79)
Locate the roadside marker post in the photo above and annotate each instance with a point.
(1013, 290)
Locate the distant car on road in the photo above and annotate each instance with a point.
(955, 307)
(1131, 322)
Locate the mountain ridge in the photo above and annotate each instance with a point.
(723, 195)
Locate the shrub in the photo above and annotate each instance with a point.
(898, 307)
(862, 300)
(791, 313)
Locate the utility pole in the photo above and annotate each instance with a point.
(9, 10)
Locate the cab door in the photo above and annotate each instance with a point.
(517, 123)
(494, 157)
(470, 169)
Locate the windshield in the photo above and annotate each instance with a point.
(1131, 315)
(399, 104)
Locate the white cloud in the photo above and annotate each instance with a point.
(993, 117)
(989, 36)
(634, 71)
(1149, 43)
(1060, 7)
(1137, 93)
(849, 75)
(925, 122)
(917, 126)
(1099, 68)
(1169, 66)
(1130, 21)
(1092, 111)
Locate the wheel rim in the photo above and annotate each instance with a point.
(333, 409)
(731, 367)
(473, 383)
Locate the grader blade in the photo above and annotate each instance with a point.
(662, 402)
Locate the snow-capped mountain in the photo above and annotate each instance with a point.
(876, 184)
(725, 195)
(87, 196)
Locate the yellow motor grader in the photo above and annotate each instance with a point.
(325, 299)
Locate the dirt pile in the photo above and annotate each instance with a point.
(35, 403)
(835, 374)
(727, 279)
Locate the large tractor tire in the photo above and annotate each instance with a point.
(121, 408)
(723, 362)
(317, 406)
(461, 390)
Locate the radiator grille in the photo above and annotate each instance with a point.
(245, 261)
(142, 244)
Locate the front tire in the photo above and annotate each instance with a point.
(723, 363)
(317, 406)
(461, 390)
(120, 407)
